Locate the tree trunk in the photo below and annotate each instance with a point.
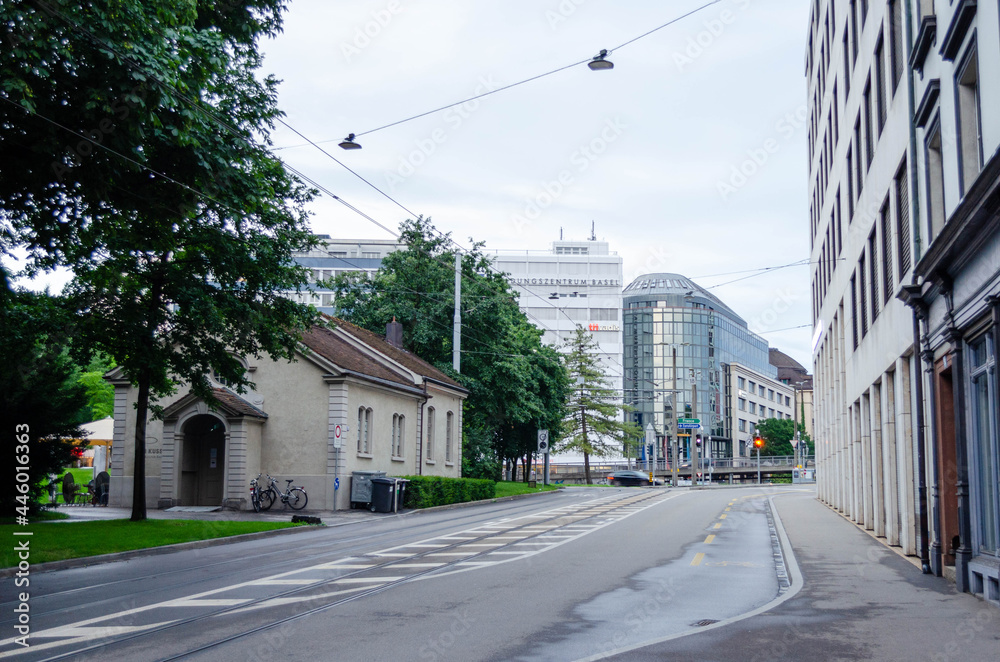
(139, 470)
(586, 456)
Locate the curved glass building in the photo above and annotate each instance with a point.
(678, 340)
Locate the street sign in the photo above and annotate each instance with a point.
(543, 441)
(688, 426)
(689, 421)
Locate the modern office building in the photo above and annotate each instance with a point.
(905, 227)
(794, 374)
(573, 283)
(336, 256)
(688, 355)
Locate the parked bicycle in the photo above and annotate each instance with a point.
(260, 497)
(295, 497)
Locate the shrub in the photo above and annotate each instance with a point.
(429, 491)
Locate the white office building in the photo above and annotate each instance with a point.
(905, 219)
(573, 283)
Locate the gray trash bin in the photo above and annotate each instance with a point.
(383, 495)
(361, 487)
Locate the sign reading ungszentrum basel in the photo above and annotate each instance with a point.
(583, 282)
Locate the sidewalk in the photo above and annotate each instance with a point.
(859, 601)
(276, 514)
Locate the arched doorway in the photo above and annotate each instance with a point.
(203, 461)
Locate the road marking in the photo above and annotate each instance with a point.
(710, 538)
(723, 516)
(368, 580)
(283, 582)
(698, 558)
(728, 509)
(718, 525)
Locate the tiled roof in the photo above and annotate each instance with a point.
(407, 359)
(335, 349)
(235, 404)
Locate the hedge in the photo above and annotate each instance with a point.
(428, 491)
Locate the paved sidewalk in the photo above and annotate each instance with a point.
(276, 514)
(859, 601)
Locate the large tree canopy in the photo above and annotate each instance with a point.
(777, 434)
(134, 137)
(516, 383)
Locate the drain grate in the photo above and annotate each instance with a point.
(704, 622)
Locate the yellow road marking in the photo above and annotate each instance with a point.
(698, 558)
(709, 538)
(728, 509)
(718, 525)
(722, 517)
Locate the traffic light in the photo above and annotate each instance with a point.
(758, 442)
(697, 440)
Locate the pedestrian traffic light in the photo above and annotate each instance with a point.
(758, 442)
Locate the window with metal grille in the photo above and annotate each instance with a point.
(863, 291)
(873, 260)
(854, 308)
(869, 138)
(896, 35)
(888, 287)
(903, 220)
(880, 86)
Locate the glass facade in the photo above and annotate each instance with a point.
(676, 338)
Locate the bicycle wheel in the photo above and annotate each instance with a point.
(267, 499)
(255, 500)
(297, 498)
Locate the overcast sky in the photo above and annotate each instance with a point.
(690, 155)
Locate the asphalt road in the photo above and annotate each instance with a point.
(581, 574)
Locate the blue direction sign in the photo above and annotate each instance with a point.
(688, 426)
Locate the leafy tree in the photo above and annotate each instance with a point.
(142, 132)
(777, 434)
(516, 384)
(591, 414)
(100, 394)
(37, 391)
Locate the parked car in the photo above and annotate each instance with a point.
(631, 479)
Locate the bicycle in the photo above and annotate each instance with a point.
(295, 497)
(260, 497)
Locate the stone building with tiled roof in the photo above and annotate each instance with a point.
(351, 401)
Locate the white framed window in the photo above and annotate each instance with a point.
(429, 453)
(398, 431)
(984, 415)
(364, 430)
(449, 437)
(970, 140)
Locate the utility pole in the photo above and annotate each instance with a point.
(696, 450)
(673, 424)
(456, 338)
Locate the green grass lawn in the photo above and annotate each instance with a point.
(506, 488)
(54, 541)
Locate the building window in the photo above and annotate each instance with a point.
(449, 433)
(880, 87)
(743, 425)
(753, 408)
(869, 134)
(985, 419)
(788, 401)
(896, 35)
(761, 390)
(863, 291)
(398, 431)
(364, 430)
(430, 434)
(902, 221)
(888, 286)
(770, 412)
(742, 382)
(742, 404)
(858, 156)
(969, 121)
(854, 307)
(753, 387)
(369, 255)
(770, 394)
(935, 181)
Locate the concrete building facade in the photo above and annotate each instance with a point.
(904, 222)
